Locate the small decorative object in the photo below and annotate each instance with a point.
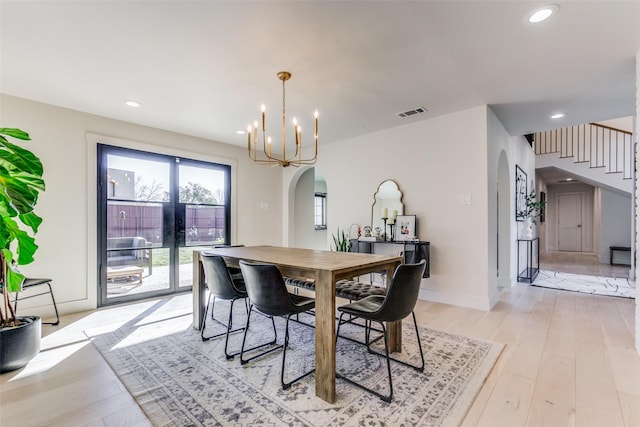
(358, 231)
(531, 211)
(521, 193)
(405, 228)
(392, 225)
(367, 231)
(385, 217)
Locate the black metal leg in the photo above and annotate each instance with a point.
(244, 340)
(420, 367)
(287, 385)
(388, 358)
(386, 347)
(53, 300)
(228, 326)
(55, 307)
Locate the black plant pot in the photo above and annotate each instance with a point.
(20, 344)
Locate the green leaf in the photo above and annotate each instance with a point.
(14, 156)
(26, 244)
(14, 278)
(15, 133)
(20, 184)
(31, 220)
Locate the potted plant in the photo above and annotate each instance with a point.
(341, 241)
(20, 184)
(532, 210)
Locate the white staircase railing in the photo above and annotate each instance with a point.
(600, 146)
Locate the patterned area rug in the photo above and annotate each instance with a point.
(608, 286)
(179, 380)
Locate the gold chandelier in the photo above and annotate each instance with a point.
(265, 155)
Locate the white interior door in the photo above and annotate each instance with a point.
(570, 222)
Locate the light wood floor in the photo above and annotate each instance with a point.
(580, 263)
(569, 360)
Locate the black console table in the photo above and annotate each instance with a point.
(413, 252)
(528, 259)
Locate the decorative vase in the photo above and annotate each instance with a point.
(527, 229)
(20, 344)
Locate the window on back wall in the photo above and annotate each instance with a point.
(320, 211)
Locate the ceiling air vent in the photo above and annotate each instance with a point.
(413, 112)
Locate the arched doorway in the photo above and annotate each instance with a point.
(307, 205)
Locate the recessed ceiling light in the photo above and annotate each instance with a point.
(133, 104)
(558, 116)
(241, 132)
(542, 13)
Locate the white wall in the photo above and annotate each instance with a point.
(518, 152)
(434, 162)
(63, 139)
(615, 222)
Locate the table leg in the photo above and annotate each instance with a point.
(394, 329)
(198, 290)
(325, 336)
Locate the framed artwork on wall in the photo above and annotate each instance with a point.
(521, 193)
(405, 228)
(543, 198)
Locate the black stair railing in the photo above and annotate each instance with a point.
(600, 146)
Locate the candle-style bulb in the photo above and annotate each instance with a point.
(315, 124)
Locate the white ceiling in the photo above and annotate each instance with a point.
(204, 67)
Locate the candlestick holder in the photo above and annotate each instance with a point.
(384, 236)
(392, 228)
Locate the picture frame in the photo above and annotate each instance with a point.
(521, 193)
(405, 228)
(543, 210)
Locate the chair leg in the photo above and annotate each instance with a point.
(286, 385)
(419, 368)
(55, 307)
(388, 359)
(230, 330)
(228, 325)
(244, 361)
(367, 326)
(53, 300)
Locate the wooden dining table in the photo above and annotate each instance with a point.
(324, 268)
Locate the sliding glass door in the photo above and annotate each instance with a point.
(152, 211)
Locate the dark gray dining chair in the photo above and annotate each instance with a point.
(268, 295)
(398, 303)
(222, 286)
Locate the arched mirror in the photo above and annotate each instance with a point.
(388, 196)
